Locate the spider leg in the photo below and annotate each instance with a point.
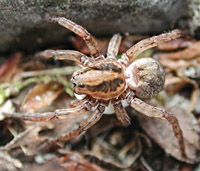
(80, 31)
(121, 113)
(151, 111)
(91, 120)
(113, 46)
(145, 44)
(75, 56)
(78, 102)
(57, 114)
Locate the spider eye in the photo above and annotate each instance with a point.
(81, 85)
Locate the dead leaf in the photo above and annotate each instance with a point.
(29, 139)
(75, 161)
(41, 95)
(189, 53)
(176, 44)
(10, 68)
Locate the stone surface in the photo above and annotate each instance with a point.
(22, 24)
(195, 13)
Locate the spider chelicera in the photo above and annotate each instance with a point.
(107, 80)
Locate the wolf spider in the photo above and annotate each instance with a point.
(106, 80)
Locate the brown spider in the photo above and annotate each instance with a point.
(106, 80)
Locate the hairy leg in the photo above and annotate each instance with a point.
(121, 113)
(145, 44)
(113, 47)
(57, 114)
(151, 111)
(80, 31)
(71, 55)
(78, 102)
(93, 118)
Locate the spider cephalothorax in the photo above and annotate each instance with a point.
(102, 80)
(106, 80)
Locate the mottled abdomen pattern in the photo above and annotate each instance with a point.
(145, 77)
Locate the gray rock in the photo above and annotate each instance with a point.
(22, 24)
(195, 13)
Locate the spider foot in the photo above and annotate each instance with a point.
(177, 131)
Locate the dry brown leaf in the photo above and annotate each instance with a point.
(112, 150)
(9, 68)
(41, 95)
(75, 161)
(189, 53)
(176, 44)
(162, 133)
(29, 139)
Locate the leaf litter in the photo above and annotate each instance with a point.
(107, 145)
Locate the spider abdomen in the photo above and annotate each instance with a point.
(146, 77)
(103, 80)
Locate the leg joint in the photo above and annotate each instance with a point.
(101, 108)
